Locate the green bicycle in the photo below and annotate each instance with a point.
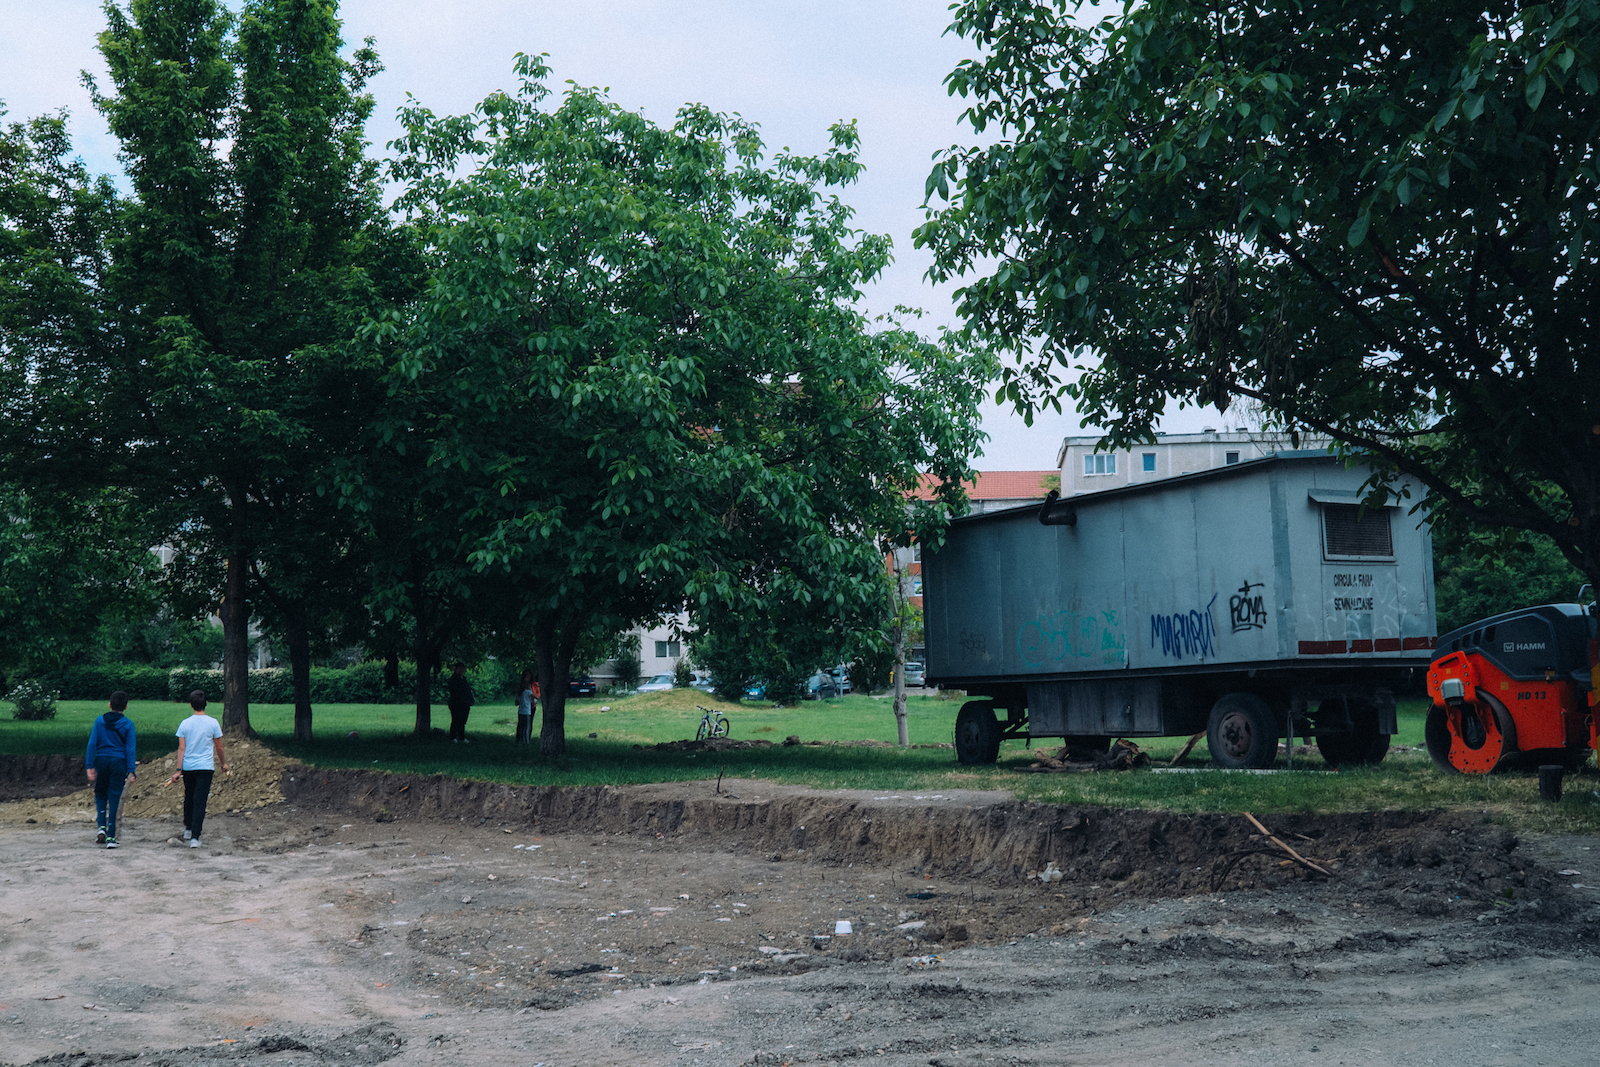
(712, 724)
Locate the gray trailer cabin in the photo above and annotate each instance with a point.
(1252, 601)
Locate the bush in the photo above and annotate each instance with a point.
(358, 684)
(33, 701)
(99, 681)
(181, 681)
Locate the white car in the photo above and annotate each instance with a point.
(655, 684)
(914, 674)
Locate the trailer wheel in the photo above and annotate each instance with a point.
(1479, 738)
(977, 733)
(1242, 732)
(1361, 745)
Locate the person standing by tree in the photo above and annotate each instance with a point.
(199, 753)
(111, 757)
(525, 698)
(460, 702)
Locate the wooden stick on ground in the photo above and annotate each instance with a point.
(1301, 860)
(1187, 748)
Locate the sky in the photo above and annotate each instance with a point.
(793, 67)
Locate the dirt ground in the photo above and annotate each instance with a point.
(347, 917)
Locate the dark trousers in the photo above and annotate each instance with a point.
(458, 721)
(196, 789)
(524, 729)
(110, 775)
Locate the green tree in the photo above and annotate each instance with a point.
(255, 236)
(1375, 219)
(67, 566)
(71, 555)
(1476, 575)
(640, 362)
(625, 655)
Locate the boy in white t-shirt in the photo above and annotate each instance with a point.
(199, 740)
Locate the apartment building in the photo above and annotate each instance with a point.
(1087, 469)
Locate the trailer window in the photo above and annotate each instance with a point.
(1349, 533)
(1100, 464)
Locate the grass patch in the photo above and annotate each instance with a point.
(1405, 780)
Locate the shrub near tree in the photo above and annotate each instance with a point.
(640, 364)
(1374, 219)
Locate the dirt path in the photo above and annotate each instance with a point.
(338, 927)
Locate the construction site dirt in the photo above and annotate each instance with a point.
(355, 917)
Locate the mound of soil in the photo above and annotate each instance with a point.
(257, 772)
(708, 744)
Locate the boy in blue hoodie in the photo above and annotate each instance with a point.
(110, 758)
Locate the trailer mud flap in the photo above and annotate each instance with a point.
(1095, 706)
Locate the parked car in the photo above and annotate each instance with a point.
(755, 691)
(581, 687)
(702, 681)
(915, 673)
(655, 684)
(821, 686)
(841, 679)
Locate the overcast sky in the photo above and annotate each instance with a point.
(792, 67)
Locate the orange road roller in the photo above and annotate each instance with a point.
(1515, 691)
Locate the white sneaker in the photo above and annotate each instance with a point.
(187, 835)
(194, 842)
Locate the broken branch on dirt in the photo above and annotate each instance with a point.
(1301, 860)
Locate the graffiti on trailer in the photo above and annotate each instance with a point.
(1248, 611)
(1186, 633)
(974, 644)
(1062, 635)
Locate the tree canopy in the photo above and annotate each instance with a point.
(180, 344)
(640, 367)
(1374, 219)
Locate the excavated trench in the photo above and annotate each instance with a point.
(1094, 856)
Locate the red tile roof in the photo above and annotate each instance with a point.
(1000, 485)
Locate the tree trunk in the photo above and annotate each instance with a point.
(897, 604)
(553, 653)
(236, 649)
(423, 651)
(294, 621)
(902, 730)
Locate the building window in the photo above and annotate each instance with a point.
(916, 585)
(668, 650)
(1100, 464)
(1230, 458)
(1149, 462)
(916, 552)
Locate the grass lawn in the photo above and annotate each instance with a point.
(1406, 779)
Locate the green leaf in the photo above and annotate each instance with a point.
(1534, 93)
(1358, 230)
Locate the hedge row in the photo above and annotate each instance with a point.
(98, 683)
(360, 684)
